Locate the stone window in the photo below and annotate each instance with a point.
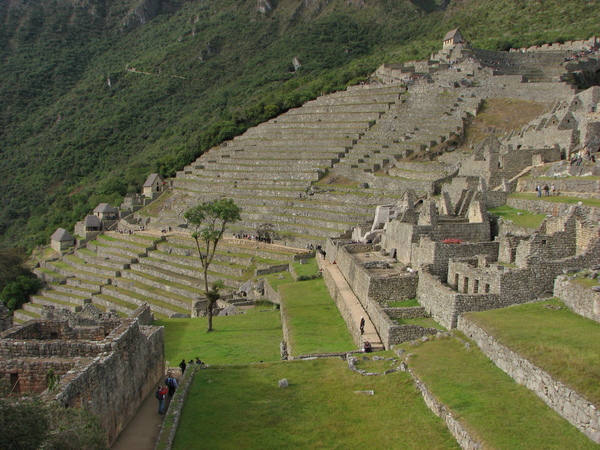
(466, 285)
(486, 288)
(476, 287)
(543, 241)
(456, 279)
(14, 383)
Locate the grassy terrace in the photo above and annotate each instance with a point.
(495, 409)
(240, 339)
(519, 217)
(558, 199)
(313, 319)
(243, 407)
(562, 343)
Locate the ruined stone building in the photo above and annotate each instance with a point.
(104, 364)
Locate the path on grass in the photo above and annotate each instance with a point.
(352, 304)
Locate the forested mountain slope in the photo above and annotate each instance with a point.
(96, 94)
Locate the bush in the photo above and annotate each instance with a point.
(17, 292)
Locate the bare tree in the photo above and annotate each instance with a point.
(209, 221)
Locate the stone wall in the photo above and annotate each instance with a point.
(578, 411)
(109, 368)
(581, 299)
(413, 312)
(6, 320)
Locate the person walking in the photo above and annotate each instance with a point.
(182, 366)
(362, 326)
(161, 394)
(171, 383)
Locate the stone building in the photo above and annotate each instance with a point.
(523, 269)
(104, 211)
(89, 227)
(452, 38)
(105, 364)
(153, 186)
(61, 240)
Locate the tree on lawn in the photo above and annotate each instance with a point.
(208, 222)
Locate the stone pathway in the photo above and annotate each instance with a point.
(352, 304)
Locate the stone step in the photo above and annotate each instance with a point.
(109, 303)
(139, 244)
(74, 290)
(319, 118)
(353, 108)
(69, 271)
(135, 294)
(82, 265)
(65, 296)
(58, 304)
(83, 284)
(31, 307)
(115, 253)
(92, 258)
(22, 316)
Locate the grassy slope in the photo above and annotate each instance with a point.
(488, 402)
(559, 341)
(243, 407)
(66, 133)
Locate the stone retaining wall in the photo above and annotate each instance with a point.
(458, 431)
(580, 299)
(566, 402)
(412, 312)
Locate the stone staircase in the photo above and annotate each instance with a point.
(122, 271)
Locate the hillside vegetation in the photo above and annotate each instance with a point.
(95, 95)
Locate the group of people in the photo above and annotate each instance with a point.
(547, 190)
(171, 384)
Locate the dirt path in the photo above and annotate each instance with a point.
(143, 429)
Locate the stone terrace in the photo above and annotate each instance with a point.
(121, 272)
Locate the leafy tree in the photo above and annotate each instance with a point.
(209, 221)
(23, 422)
(17, 292)
(11, 266)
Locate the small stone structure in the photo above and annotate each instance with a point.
(104, 211)
(61, 240)
(153, 186)
(581, 299)
(104, 364)
(452, 38)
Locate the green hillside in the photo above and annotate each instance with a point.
(95, 95)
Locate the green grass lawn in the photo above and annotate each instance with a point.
(526, 219)
(309, 269)
(564, 344)
(313, 318)
(496, 410)
(404, 304)
(244, 338)
(558, 199)
(243, 407)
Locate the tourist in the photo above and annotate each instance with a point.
(362, 326)
(182, 366)
(171, 385)
(553, 190)
(538, 189)
(161, 394)
(546, 190)
(198, 361)
(367, 347)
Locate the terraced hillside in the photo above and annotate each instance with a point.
(283, 172)
(120, 272)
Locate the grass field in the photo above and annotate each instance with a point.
(244, 338)
(243, 407)
(313, 319)
(495, 409)
(519, 217)
(564, 344)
